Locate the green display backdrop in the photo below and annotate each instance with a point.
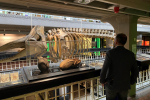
(95, 47)
(98, 45)
(97, 40)
(48, 50)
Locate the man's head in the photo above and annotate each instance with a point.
(120, 40)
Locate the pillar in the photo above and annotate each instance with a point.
(126, 24)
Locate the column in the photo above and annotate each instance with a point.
(126, 24)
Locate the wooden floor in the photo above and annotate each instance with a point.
(143, 94)
(146, 97)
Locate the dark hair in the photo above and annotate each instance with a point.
(121, 38)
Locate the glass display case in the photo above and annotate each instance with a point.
(143, 57)
(33, 72)
(97, 64)
(12, 78)
(57, 51)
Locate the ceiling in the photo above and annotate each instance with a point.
(91, 9)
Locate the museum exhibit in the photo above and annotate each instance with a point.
(55, 49)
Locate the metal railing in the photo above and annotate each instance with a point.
(144, 79)
(139, 51)
(88, 89)
(16, 64)
(144, 76)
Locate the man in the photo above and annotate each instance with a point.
(119, 62)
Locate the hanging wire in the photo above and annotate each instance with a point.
(31, 21)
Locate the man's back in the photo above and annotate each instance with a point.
(119, 62)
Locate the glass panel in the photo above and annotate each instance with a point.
(32, 97)
(88, 84)
(75, 87)
(10, 78)
(82, 85)
(51, 93)
(82, 92)
(67, 89)
(76, 95)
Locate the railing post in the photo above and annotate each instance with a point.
(79, 90)
(143, 79)
(72, 94)
(85, 91)
(92, 90)
(97, 88)
(46, 96)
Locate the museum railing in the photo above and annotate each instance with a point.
(88, 89)
(12, 65)
(143, 49)
(144, 79)
(147, 50)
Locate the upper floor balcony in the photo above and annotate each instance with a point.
(11, 19)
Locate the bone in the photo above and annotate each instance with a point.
(77, 42)
(59, 35)
(62, 34)
(20, 43)
(37, 33)
(49, 32)
(77, 30)
(49, 37)
(20, 54)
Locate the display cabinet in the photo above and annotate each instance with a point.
(12, 78)
(57, 51)
(143, 61)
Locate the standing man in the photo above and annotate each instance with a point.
(119, 62)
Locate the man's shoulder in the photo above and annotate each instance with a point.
(130, 52)
(124, 49)
(111, 50)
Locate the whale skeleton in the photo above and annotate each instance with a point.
(64, 43)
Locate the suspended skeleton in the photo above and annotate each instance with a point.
(76, 37)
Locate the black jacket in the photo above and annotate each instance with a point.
(119, 62)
